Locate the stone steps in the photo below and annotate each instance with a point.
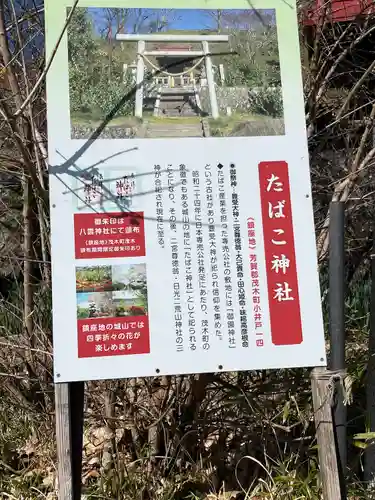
(177, 102)
(175, 105)
(171, 113)
(171, 130)
(177, 90)
(172, 134)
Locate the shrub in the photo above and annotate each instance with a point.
(95, 78)
(109, 97)
(266, 101)
(136, 311)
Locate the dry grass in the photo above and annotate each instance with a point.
(247, 126)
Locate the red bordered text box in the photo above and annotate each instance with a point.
(99, 337)
(108, 235)
(285, 315)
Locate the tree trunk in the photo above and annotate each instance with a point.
(28, 265)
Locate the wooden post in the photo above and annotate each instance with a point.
(157, 103)
(140, 79)
(197, 99)
(69, 399)
(222, 74)
(210, 81)
(322, 387)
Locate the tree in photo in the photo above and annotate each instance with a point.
(255, 59)
(97, 85)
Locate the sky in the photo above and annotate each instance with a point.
(178, 19)
(190, 19)
(84, 299)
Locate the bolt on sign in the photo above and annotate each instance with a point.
(182, 224)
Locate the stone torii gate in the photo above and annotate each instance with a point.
(205, 53)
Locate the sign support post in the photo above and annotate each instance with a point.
(337, 319)
(370, 389)
(321, 386)
(69, 403)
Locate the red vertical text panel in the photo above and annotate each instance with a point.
(281, 268)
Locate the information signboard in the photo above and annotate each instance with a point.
(182, 225)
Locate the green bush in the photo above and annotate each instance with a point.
(267, 101)
(107, 97)
(95, 76)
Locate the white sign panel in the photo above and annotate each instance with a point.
(182, 226)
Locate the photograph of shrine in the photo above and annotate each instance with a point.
(165, 73)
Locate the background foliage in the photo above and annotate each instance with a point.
(96, 79)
